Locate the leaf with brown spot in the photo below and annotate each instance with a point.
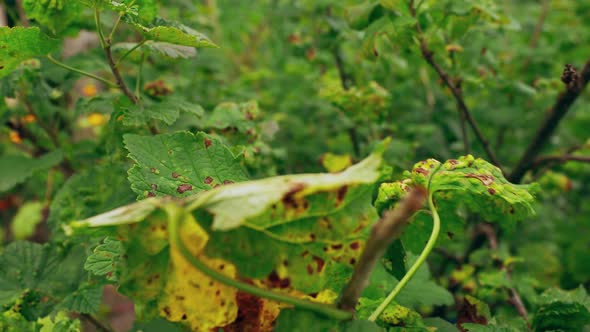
(192, 167)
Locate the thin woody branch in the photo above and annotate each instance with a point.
(575, 84)
(428, 55)
(384, 232)
(541, 161)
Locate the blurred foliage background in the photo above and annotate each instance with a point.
(323, 76)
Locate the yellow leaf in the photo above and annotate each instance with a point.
(190, 296)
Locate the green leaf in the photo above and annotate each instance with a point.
(43, 275)
(562, 310)
(231, 115)
(180, 164)
(28, 216)
(19, 44)
(171, 32)
(440, 324)
(15, 169)
(168, 50)
(166, 111)
(393, 315)
(11, 321)
(96, 190)
(471, 327)
(57, 16)
(59, 323)
(86, 299)
(106, 259)
(420, 290)
(294, 320)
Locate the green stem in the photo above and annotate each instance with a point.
(324, 309)
(129, 52)
(81, 72)
(421, 259)
(115, 26)
(103, 42)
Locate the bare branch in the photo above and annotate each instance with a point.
(428, 55)
(554, 115)
(384, 232)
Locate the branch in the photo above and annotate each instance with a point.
(575, 84)
(539, 26)
(455, 90)
(384, 232)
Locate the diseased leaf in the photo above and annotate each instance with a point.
(15, 169)
(473, 183)
(19, 44)
(180, 164)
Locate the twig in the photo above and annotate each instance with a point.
(345, 81)
(558, 160)
(106, 44)
(99, 325)
(538, 29)
(384, 232)
(554, 115)
(455, 90)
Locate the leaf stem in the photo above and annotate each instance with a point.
(324, 309)
(116, 25)
(81, 72)
(421, 259)
(129, 52)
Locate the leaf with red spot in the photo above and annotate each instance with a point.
(180, 164)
